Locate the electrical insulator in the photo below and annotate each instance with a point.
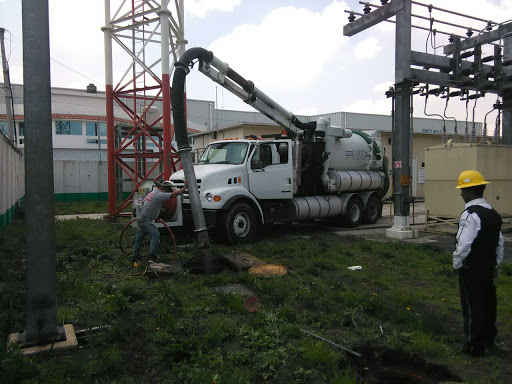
(489, 25)
(469, 33)
(367, 9)
(383, 2)
(351, 17)
(451, 38)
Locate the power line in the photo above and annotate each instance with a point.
(58, 62)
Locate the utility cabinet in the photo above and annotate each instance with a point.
(444, 163)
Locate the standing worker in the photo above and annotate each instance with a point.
(477, 255)
(149, 212)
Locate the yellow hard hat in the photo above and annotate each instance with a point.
(470, 179)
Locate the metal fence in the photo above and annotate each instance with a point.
(12, 180)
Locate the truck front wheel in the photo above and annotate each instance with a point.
(354, 212)
(239, 224)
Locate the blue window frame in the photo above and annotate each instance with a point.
(68, 127)
(91, 129)
(95, 141)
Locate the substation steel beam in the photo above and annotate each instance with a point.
(373, 18)
(500, 85)
(506, 127)
(40, 278)
(483, 38)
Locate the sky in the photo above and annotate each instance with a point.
(293, 50)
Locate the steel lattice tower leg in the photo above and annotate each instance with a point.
(151, 35)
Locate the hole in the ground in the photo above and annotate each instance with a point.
(399, 367)
(195, 266)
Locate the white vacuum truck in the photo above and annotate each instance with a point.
(314, 171)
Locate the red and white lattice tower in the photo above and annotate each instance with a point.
(148, 38)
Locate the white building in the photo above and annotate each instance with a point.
(79, 134)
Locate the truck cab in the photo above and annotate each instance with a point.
(235, 177)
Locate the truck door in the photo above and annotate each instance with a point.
(271, 171)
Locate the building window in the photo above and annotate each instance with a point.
(4, 127)
(91, 129)
(150, 144)
(68, 127)
(95, 141)
(21, 128)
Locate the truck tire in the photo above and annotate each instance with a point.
(239, 224)
(373, 210)
(354, 213)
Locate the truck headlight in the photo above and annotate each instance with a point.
(209, 197)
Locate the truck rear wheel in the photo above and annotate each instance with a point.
(239, 224)
(373, 210)
(354, 212)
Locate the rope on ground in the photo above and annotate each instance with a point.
(130, 274)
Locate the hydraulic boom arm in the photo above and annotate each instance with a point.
(222, 74)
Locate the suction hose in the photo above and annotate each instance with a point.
(184, 149)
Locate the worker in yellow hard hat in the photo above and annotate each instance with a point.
(477, 255)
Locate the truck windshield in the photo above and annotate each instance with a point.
(224, 153)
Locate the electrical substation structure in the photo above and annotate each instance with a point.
(152, 35)
(464, 72)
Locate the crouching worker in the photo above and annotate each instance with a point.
(478, 253)
(148, 214)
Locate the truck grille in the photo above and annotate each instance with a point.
(179, 184)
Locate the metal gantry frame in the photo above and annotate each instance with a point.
(456, 72)
(151, 35)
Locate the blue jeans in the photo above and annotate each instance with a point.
(145, 226)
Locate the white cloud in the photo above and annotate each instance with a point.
(78, 45)
(288, 50)
(382, 87)
(306, 111)
(199, 8)
(381, 106)
(367, 49)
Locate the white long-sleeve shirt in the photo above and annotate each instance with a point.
(469, 225)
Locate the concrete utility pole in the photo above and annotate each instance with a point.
(402, 137)
(40, 279)
(7, 87)
(402, 108)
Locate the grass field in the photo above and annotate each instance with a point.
(401, 312)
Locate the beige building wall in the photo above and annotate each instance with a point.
(447, 161)
(419, 143)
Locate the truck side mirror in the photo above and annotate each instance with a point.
(256, 164)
